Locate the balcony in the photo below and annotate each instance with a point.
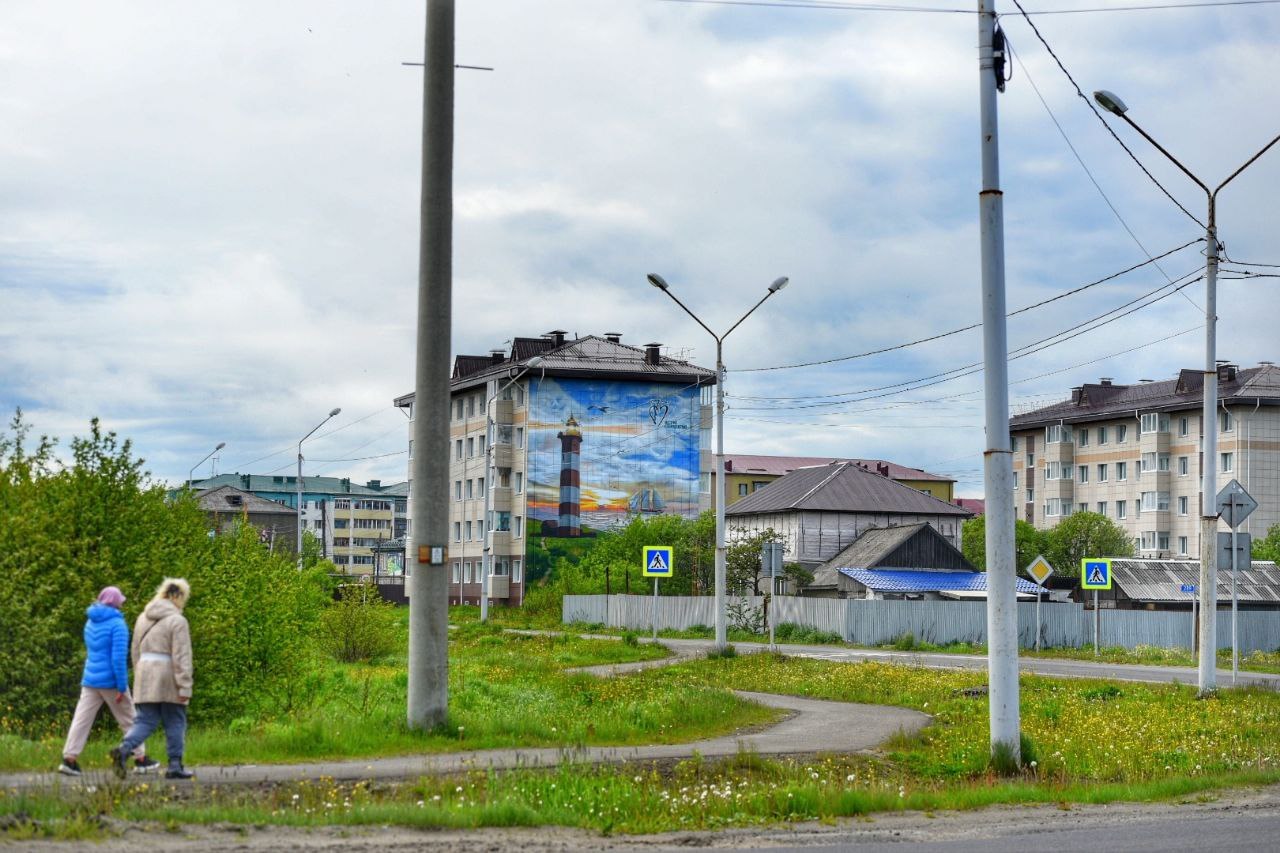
(503, 411)
(502, 499)
(499, 586)
(500, 541)
(502, 455)
(1058, 451)
(1154, 442)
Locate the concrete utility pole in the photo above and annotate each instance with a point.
(1208, 670)
(427, 552)
(1002, 573)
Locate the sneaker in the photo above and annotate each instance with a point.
(70, 767)
(178, 773)
(145, 765)
(119, 762)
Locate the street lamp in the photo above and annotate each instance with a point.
(489, 484)
(1209, 487)
(332, 415)
(661, 283)
(192, 473)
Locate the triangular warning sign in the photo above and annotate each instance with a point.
(657, 563)
(1096, 577)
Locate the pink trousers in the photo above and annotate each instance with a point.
(91, 701)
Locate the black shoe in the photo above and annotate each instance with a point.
(119, 762)
(145, 765)
(179, 773)
(70, 767)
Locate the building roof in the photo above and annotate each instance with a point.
(876, 546)
(911, 580)
(842, 487)
(231, 499)
(310, 485)
(977, 506)
(586, 357)
(742, 463)
(1161, 580)
(1101, 400)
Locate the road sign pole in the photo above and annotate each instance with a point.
(655, 608)
(1193, 625)
(1039, 595)
(1097, 623)
(1235, 645)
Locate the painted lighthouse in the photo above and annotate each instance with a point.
(570, 521)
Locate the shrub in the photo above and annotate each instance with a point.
(722, 654)
(359, 626)
(629, 638)
(905, 642)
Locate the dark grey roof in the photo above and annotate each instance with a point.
(588, 357)
(875, 546)
(232, 500)
(281, 484)
(842, 487)
(1094, 401)
(1160, 580)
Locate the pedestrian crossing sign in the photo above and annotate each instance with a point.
(1095, 574)
(657, 561)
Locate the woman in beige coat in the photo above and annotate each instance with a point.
(162, 676)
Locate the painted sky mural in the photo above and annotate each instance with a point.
(601, 451)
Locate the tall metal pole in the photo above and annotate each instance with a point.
(722, 628)
(1002, 614)
(486, 555)
(299, 507)
(1208, 670)
(428, 699)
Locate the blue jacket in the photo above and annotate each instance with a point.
(106, 638)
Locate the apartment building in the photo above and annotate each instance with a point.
(1134, 454)
(350, 520)
(556, 440)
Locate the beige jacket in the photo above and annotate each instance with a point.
(161, 654)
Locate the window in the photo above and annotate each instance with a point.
(742, 489)
(1015, 480)
(457, 449)
(471, 491)
(1053, 506)
(1182, 505)
(466, 527)
(1182, 466)
(1184, 426)
(457, 571)
(1102, 507)
(1083, 439)
(519, 395)
(704, 483)
(1102, 473)
(1066, 508)
(500, 521)
(517, 571)
(457, 410)
(457, 490)
(471, 447)
(1182, 544)
(471, 405)
(1082, 475)
(1122, 432)
(340, 523)
(757, 485)
(1162, 541)
(1122, 509)
(480, 444)
(341, 542)
(372, 524)
(1031, 495)
(466, 572)
(1031, 459)
(1153, 422)
(1155, 502)
(1154, 462)
(1013, 444)
(342, 503)
(518, 526)
(1082, 507)
(1228, 462)
(1057, 433)
(1148, 540)
(519, 436)
(1102, 435)
(457, 531)
(1226, 422)
(1122, 471)
(480, 487)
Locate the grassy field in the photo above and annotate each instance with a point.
(1089, 742)
(505, 690)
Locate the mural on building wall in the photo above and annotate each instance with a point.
(601, 452)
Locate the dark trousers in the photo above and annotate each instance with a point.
(151, 715)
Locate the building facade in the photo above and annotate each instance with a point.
(349, 520)
(556, 440)
(745, 474)
(1133, 454)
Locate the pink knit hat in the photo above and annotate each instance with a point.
(111, 596)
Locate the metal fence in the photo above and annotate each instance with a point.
(873, 623)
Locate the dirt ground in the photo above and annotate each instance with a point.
(992, 823)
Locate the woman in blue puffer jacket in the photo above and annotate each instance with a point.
(105, 681)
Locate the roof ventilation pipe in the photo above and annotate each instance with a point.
(653, 354)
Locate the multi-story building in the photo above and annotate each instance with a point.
(556, 440)
(1133, 454)
(745, 474)
(349, 520)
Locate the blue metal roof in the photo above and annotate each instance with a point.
(910, 580)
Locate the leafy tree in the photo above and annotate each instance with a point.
(1028, 542)
(743, 572)
(1084, 534)
(614, 561)
(1268, 547)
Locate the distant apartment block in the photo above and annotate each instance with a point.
(1134, 454)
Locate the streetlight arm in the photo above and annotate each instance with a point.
(695, 316)
(1247, 164)
(1172, 159)
(748, 314)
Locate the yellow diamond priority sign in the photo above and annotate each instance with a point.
(1040, 570)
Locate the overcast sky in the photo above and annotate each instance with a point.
(208, 212)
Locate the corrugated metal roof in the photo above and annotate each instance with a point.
(310, 485)
(1161, 580)
(910, 580)
(841, 487)
(232, 500)
(874, 547)
(746, 463)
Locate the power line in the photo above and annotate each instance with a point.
(1101, 120)
(833, 6)
(972, 326)
(317, 438)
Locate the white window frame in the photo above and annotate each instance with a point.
(1102, 472)
(1228, 461)
(1122, 509)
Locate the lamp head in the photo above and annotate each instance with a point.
(1110, 102)
(778, 284)
(221, 444)
(657, 281)
(536, 361)
(335, 412)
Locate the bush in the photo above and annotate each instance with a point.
(629, 638)
(905, 642)
(359, 626)
(790, 632)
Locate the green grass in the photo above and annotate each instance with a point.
(505, 690)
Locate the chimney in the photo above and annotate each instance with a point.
(1106, 380)
(1075, 394)
(374, 484)
(653, 354)
(882, 468)
(1226, 372)
(497, 356)
(557, 336)
(728, 465)
(613, 337)
(1266, 364)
